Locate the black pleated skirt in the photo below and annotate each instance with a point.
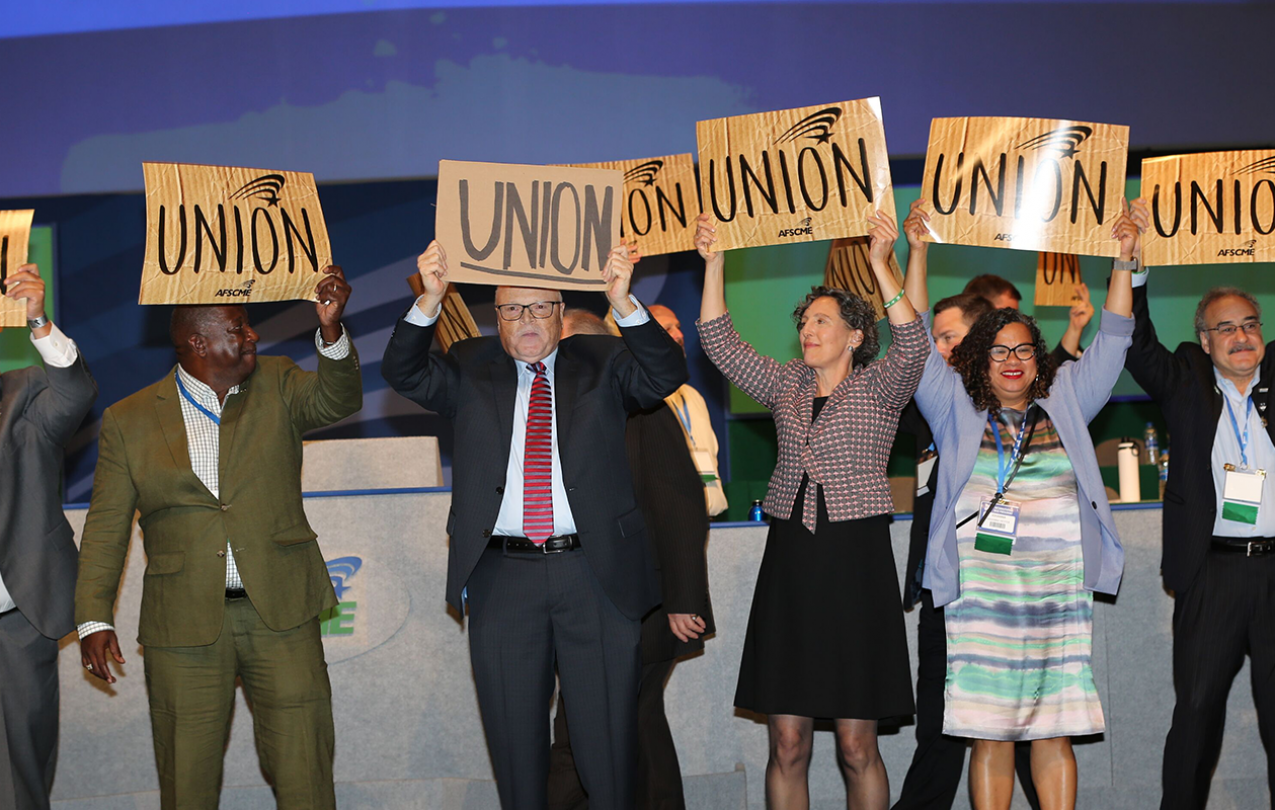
(826, 636)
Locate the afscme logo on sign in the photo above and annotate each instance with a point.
(241, 292)
(1249, 249)
(804, 229)
(339, 621)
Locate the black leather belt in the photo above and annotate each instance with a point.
(521, 545)
(1256, 547)
(236, 593)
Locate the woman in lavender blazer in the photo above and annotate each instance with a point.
(825, 636)
(1017, 549)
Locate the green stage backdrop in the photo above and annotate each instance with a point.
(16, 350)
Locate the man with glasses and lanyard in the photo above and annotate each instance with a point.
(548, 546)
(1219, 521)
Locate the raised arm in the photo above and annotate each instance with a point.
(914, 283)
(1152, 365)
(898, 309)
(1077, 319)
(655, 366)
(408, 366)
(755, 374)
(336, 391)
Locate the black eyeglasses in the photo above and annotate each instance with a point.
(513, 312)
(1228, 329)
(1023, 351)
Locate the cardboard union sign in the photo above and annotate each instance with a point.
(1057, 275)
(661, 202)
(15, 234)
(227, 235)
(798, 175)
(1026, 183)
(454, 321)
(532, 226)
(850, 268)
(1210, 208)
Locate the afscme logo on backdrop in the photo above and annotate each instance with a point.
(339, 621)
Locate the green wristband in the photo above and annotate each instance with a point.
(896, 299)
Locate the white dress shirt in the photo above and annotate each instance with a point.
(59, 351)
(1226, 450)
(509, 518)
(203, 442)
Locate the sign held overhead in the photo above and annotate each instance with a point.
(532, 226)
(849, 268)
(1057, 275)
(1025, 183)
(229, 235)
(660, 202)
(1210, 208)
(15, 235)
(800, 175)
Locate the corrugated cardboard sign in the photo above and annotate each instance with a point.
(1025, 183)
(1057, 275)
(230, 235)
(1210, 208)
(800, 175)
(454, 320)
(850, 268)
(661, 202)
(15, 234)
(529, 226)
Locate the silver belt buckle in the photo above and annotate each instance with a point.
(1249, 547)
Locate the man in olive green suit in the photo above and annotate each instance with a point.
(211, 458)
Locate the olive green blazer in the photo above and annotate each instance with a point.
(143, 466)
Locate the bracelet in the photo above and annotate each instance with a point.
(896, 299)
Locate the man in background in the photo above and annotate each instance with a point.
(39, 411)
(667, 484)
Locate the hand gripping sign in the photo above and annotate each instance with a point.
(801, 175)
(227, 235)
(1026, 183)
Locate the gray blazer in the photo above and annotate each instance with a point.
(39, 412)
(1079, 391)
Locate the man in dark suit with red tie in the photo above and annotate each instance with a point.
(548, 546)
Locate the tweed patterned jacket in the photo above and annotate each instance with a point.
(846, 449)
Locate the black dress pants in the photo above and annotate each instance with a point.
(659, 778)
(28, 713)
(935, 772)
(1229, 612)
(527, 611)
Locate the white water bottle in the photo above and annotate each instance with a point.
(1127, 465)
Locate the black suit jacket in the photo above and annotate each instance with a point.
(911, 421)
(598, 380)
(1183, 384)
(671, 496)
(39, 412)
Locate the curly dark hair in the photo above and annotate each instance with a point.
(971, 361)
(855, 312)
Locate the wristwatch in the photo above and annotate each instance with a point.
(38, 321)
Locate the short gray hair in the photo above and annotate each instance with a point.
(1217, 293)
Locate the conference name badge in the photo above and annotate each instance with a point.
(1242, 494)
(999, 527)
(705, 465)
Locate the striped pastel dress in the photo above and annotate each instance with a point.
(1019, 637)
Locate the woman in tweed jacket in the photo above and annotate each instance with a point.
(825, 637)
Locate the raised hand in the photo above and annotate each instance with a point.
(917, 225)
(618, 275)
(1129, 227)
(705, 236)
(1081, 307)
(432, 267)
(881, 238)
(333, 293)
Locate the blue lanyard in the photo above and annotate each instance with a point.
(181, 387)
(1000, 449)
(1241, 438)
(685, 418)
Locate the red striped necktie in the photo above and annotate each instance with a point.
(537, 461)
